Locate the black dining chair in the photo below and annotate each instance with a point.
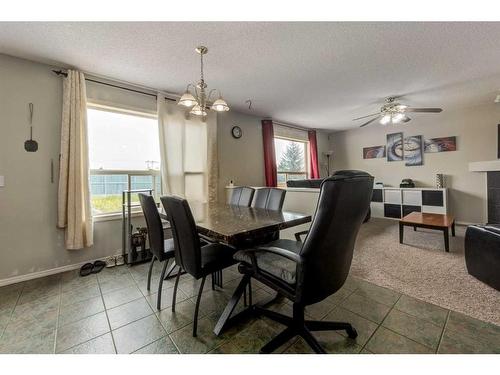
(162, 249)
(310, 271)
(269, 198)
(197, 260)
(241, 196)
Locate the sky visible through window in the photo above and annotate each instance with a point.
(120, 141)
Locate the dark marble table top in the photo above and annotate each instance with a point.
(231, 224)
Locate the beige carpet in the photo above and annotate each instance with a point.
(422, 269)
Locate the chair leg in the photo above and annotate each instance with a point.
(150, 271)
(160, 285)
(277, 317)
(175, 288)
(279, 340)
(197, 307)
(313, 343)
(314, 325)
(250, 292)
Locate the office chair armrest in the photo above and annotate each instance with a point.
(275, 250)
(298, 234)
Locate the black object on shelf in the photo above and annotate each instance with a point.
(407, 183)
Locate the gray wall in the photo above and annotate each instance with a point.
(476, 131)
(242, 160)
(29, 240)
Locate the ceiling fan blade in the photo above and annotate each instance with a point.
(370, 121)
(373, 114)
(430, 110)
(405, 119)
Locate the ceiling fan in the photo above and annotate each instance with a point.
(394, 112)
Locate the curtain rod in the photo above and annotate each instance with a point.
(290, 126)
(60, 72)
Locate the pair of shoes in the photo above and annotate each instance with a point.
(89, 268)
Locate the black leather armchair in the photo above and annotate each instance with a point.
(482, 253)
(310, 271)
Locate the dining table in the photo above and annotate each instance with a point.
(238, 226)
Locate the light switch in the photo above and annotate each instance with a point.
(2, 181)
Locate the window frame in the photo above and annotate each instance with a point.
(154, 173)
(307, 163)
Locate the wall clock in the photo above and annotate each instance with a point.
(236, 132)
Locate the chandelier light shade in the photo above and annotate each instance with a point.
(196, 94)
(187, 99)
(220, 105)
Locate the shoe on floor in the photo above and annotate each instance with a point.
(110, 262)
(119, 260)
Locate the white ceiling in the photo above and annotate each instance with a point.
(318, 75)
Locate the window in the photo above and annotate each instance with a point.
(124, 153)
(291, 159)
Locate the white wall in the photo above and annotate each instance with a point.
(29, 240)
(476, 131)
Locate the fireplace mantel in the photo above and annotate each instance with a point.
(485, 166)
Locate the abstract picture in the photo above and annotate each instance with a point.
(374, 152)
(413, 150)
(395, 147)
(440, 144)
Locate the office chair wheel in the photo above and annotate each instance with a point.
(352, 333)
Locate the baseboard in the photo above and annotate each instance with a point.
(52, 271)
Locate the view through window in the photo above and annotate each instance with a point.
(291, 160)
(124, 153)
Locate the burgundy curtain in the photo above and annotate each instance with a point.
(313, 153)
(269, 154)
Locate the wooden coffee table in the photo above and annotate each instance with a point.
(429, 221)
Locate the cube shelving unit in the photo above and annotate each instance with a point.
(395, 203)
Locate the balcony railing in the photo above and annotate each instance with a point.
(106, 187)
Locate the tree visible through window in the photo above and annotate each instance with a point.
(291, 160)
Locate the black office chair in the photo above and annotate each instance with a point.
(269, 198)
(162, 249)
(308, 272)
(199, 261)
(241, 196)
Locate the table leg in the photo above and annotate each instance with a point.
(453, 228)
(231, 305)
(414, 229)
(169, 273)
(401, 229)
(446, 240)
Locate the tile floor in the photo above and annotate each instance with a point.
(112, 312)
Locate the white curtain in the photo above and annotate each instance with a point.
(188, 149)
(74, 210)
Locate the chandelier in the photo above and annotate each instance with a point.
(196, 95)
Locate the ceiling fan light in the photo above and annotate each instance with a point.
(220, 105)
(401, 107)
(187, 100)
(385, 119)
(198, 111)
